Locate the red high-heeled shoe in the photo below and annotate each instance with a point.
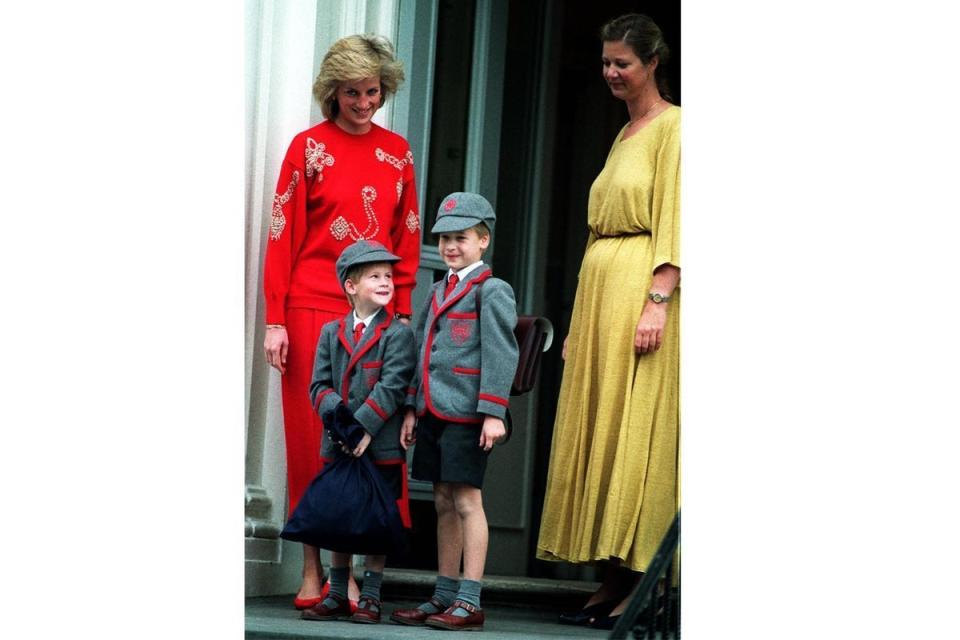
(306, 603)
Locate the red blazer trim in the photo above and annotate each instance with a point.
(373, 405)
(320, 397)
(372, 365)
(462, 316)
(342, 335)
(359, 353)
(437, 310)
(465, 371)
(411, 391)
(490, 398)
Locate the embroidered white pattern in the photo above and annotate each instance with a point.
(383, 156)
(399, 189)
(277, 220)
(413, 221)
(317, 158)
(340, 228)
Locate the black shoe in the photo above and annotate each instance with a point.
(603, 622)
(583, 616)
(609, 622)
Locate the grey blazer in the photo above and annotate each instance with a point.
(371, 378)
(467, 359)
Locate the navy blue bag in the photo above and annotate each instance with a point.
(348, 507)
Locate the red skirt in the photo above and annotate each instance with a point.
(302, 427)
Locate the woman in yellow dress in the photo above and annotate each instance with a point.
(612, 488)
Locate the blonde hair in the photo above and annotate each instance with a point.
(354, 58)
(481, 228)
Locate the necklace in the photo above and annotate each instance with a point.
(649, 109)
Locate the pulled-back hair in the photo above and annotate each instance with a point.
(355, 58)
(645, 38)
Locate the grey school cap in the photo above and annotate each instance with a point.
(362, 252)
(462, 210)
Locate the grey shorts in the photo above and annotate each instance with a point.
(449, 452)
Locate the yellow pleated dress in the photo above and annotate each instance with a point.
(612, 486)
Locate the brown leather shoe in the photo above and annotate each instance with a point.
(319, 611)
(414, 617)
(368, 611)
(446, 620)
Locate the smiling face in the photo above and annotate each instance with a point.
(624, 72)
(460, 249)
(358, 100)
(372, 289)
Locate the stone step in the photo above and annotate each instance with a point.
(413, 584)
(517, 608)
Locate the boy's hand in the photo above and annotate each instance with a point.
(362, 445)
(492, 432)
(408, 434)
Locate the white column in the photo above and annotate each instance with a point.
(280, 52)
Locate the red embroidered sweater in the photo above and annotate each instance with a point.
(336, 188)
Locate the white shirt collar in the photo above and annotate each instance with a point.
(465, 271)
(366, 321)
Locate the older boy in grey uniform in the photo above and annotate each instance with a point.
(460, 393)
(366, 361)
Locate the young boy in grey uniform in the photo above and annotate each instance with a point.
(458, 400)
(366, 361)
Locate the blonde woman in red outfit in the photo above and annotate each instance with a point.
(344, 180)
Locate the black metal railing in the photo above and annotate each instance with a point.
(654, 610)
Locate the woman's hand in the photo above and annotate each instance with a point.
(408, 435)
(563, 352)
(275, 346)
(493, 431)
(650, 328)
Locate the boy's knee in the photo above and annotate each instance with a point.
(467, 500)
(443, 500)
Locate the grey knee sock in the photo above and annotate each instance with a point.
(470, 593)
(371, 585)
(338, 585)
(444, 593)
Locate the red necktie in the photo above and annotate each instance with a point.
(358, 332)
(451, 285)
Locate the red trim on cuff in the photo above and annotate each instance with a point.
(320, 397)
(373, 405)
(494, 399)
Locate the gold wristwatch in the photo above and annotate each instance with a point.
(658, 297)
